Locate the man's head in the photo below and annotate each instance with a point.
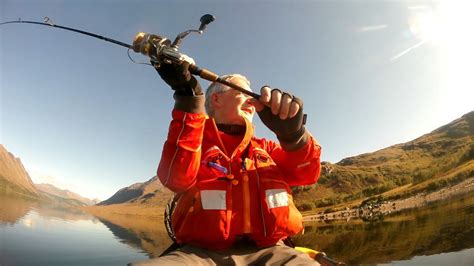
(228, 106)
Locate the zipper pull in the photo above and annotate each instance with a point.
(246, 164)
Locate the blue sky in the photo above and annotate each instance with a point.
(82, 116)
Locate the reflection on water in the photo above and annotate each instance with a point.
(444, 227)
(146, 233)
(12, 209)
(32, 234)
(464, 257)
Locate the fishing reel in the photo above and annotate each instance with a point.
(160, 49)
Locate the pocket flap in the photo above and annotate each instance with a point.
(276, 198)
(213, 199)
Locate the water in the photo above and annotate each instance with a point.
(464, 257)
(441, 232)
(33, 234)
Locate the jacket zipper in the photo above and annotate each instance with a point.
(261, 207)
(247, 228)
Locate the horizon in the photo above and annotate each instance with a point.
(44, 179)
(371, 74)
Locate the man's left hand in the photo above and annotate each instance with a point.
(280, 103)
(283, 114)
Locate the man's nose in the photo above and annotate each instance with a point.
(250, 99)
(249, 103)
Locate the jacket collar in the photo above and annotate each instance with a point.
(249, 130)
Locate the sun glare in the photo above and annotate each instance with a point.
(457, 93)
(425, 24)
(449, 26)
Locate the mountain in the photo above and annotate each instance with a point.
(14, 179)
(150, 192)
(435, 160)
(54, 193)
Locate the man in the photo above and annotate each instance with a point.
(235, 205)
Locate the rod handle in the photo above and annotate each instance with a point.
(213, 77)
(203, 73)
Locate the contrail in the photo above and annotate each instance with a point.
(417, 7)
(372, 28)
(406, 51)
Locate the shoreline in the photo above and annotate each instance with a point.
(372, 211)
(368, 211)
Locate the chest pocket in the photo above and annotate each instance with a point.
(262, 159)
(265, 166)
(214, 164)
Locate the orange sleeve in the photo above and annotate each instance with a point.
(300, 167)
(181, 154)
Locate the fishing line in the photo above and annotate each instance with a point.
(135, 62)
(49, 23)
(158, 48)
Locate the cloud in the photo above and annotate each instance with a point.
(418, 7)
(372, 28)
(39, 177)
(85, 190)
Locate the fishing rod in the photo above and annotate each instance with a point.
(48, 22)
(159, 49)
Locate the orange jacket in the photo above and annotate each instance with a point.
(230, 193)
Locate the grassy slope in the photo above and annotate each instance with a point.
(13, 177)
(440, 158)
(435, 160)
(8, 188)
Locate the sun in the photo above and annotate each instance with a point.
(450, 27)
(425, 24)
(457, 46)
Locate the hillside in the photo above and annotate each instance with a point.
(55, 193)
(14, 180)
(151, 192)
(435, 160)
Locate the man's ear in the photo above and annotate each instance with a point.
(215, 100)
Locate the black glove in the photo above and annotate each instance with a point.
(290, 132)
(179, 78)
(188, 94)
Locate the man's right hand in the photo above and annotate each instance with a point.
(179, 78)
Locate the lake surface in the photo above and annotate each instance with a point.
(34, 234)
(31, 234)
(442, 231)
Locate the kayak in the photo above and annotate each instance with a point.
(320, 257)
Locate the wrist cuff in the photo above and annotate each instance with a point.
(189, 104)
(294, 140)
(192, 87)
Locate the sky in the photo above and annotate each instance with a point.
(83, 117)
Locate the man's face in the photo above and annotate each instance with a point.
(231, 106)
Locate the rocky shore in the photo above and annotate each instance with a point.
(375, 209)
